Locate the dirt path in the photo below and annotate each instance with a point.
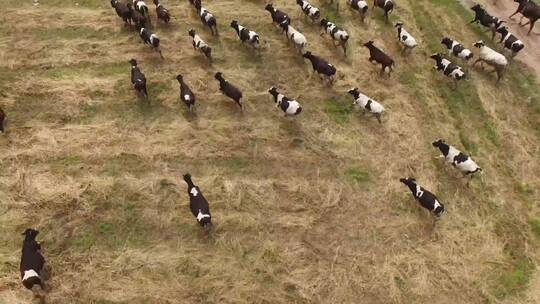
(531, 54)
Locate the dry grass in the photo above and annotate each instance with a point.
(307, 210)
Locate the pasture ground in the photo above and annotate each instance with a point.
(307, 210)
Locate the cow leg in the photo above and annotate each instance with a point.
(470, 179)
(517, 11)
(403, 50)
(522, 25)
(330, 81)
(378, 116)
(531, 28)
(498, 75)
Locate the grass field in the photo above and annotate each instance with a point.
(306, 210)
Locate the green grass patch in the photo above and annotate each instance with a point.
(470, 146)
(527, 84)
(124, 163)
(528, 92)
(237, 164)
(425, 23)
(408, 78)
(535, 226)
(331, 13)
(8, 76)
(97, 94)
(78, 3)
(357, 175)
(159, 87)
(60, 73)
(400, 283)
(71, 33)
(88, 111)
(105, 228)
(110, 69)
(125, 228)
(87, 70)
(515, 280)
(84, 242)
(338, 112)
(524, 189)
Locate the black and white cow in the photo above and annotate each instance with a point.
(386, 5)
(138, 80)
(229, 90)
(150, 39)
(287, 105)
(337, 34)
(122, 10)
(485, 19)
(378, 56)
(194, 3)
(360, 6)
(405, 38)
(457, 158)
(161, 12)
(325, 70)
(448, 68)
(198, 204)
(427, 199)
(2, 119)
(142, 8)
(297, 38)
(367, 104)
(138, 19)
(278, 17)
(246, 35)
(207, 18)
(32, 262)
(200, 45)
(186, 95)
(309, 10)
(457, 49)
(510, 41)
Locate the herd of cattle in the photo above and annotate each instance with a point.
(136, 12)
